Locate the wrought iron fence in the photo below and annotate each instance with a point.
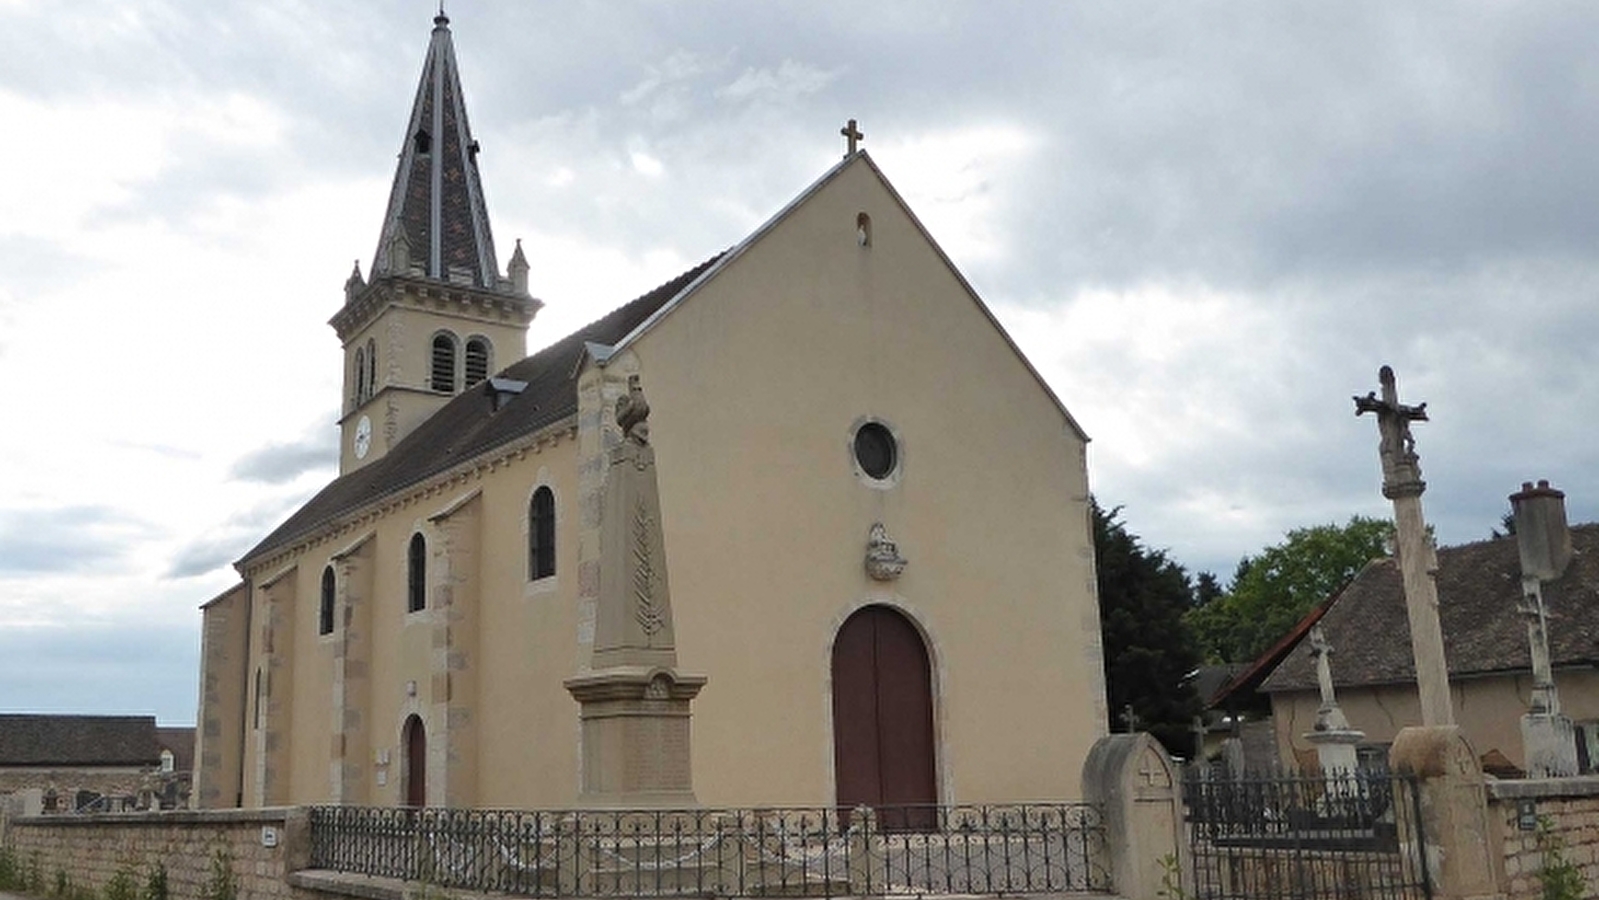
(819, 852)
(1349, 835)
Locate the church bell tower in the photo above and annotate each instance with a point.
(436, 316)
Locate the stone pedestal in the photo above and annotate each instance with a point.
(1461, 841)
(635, 724)
(1549, 741)
(1335, 749)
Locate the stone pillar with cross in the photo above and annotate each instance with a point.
(1333, 738)
(1418, 561)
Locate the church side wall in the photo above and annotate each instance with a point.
(757, 383)
(219, 749)
(481, 666)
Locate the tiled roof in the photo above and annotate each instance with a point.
(180, 740)
(54, 740)
(1479, 590)
(469, 425)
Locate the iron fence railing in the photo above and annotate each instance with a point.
(819, 852)
(1347, 835)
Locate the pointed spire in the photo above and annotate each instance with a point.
(354, 283)
(518, 269)
(437, 224)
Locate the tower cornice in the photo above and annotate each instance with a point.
(466, 301)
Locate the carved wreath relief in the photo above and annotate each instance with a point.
(649, 613)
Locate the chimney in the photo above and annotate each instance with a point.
(1541, 532)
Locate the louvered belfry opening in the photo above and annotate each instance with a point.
(443, 377)
(477, 361)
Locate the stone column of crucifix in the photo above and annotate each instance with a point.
(1418, 562)
(1334, 740)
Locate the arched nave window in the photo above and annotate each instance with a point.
(541, 534)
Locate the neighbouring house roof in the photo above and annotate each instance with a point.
(1247, 680)
(469, 425)
(180, 740)
(1479, 592)
(66, 741)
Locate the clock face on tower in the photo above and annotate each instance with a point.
(363, 437)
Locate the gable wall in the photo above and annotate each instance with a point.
(756, 382)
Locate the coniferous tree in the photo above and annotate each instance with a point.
(1150, 654)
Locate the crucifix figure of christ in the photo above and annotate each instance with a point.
(853, 136)
(1402, 484)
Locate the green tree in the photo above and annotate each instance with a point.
(1150, 654)
(1272, 591)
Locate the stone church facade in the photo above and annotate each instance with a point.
(874, 515)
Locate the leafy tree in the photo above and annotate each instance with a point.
(1274, 590)
(1149, 651)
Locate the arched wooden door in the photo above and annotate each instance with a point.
(416, 762)
(883, 718)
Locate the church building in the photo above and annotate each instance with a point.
(874, 515)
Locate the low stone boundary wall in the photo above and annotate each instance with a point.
(256, 848)
(1564, 818)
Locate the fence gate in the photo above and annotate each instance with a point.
(1351, 836)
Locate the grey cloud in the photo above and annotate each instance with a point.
(230, 539)
(70, 539)
(281, 463)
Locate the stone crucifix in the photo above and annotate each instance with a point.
(1329, 717)
(853, 136)
(1334, 740)
(1402, 484)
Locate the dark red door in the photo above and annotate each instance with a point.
(883, 718)
(416, 763)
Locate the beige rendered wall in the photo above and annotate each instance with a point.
(224, 650)
(756, 382)
(1488, 710)
(507, 681)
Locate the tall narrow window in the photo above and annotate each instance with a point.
(541, 534)
(424, 141)
(360, 376)
(443, 363)
(371, 367)
(863, 230)
(416, 594)
(477, 360)
(324, 618)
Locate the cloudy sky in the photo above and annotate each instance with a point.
(1206, 224)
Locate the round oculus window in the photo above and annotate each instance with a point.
(875, 450)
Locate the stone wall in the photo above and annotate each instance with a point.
(1569, 810)
(260, 846)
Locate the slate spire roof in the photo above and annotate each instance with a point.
(437, 224)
